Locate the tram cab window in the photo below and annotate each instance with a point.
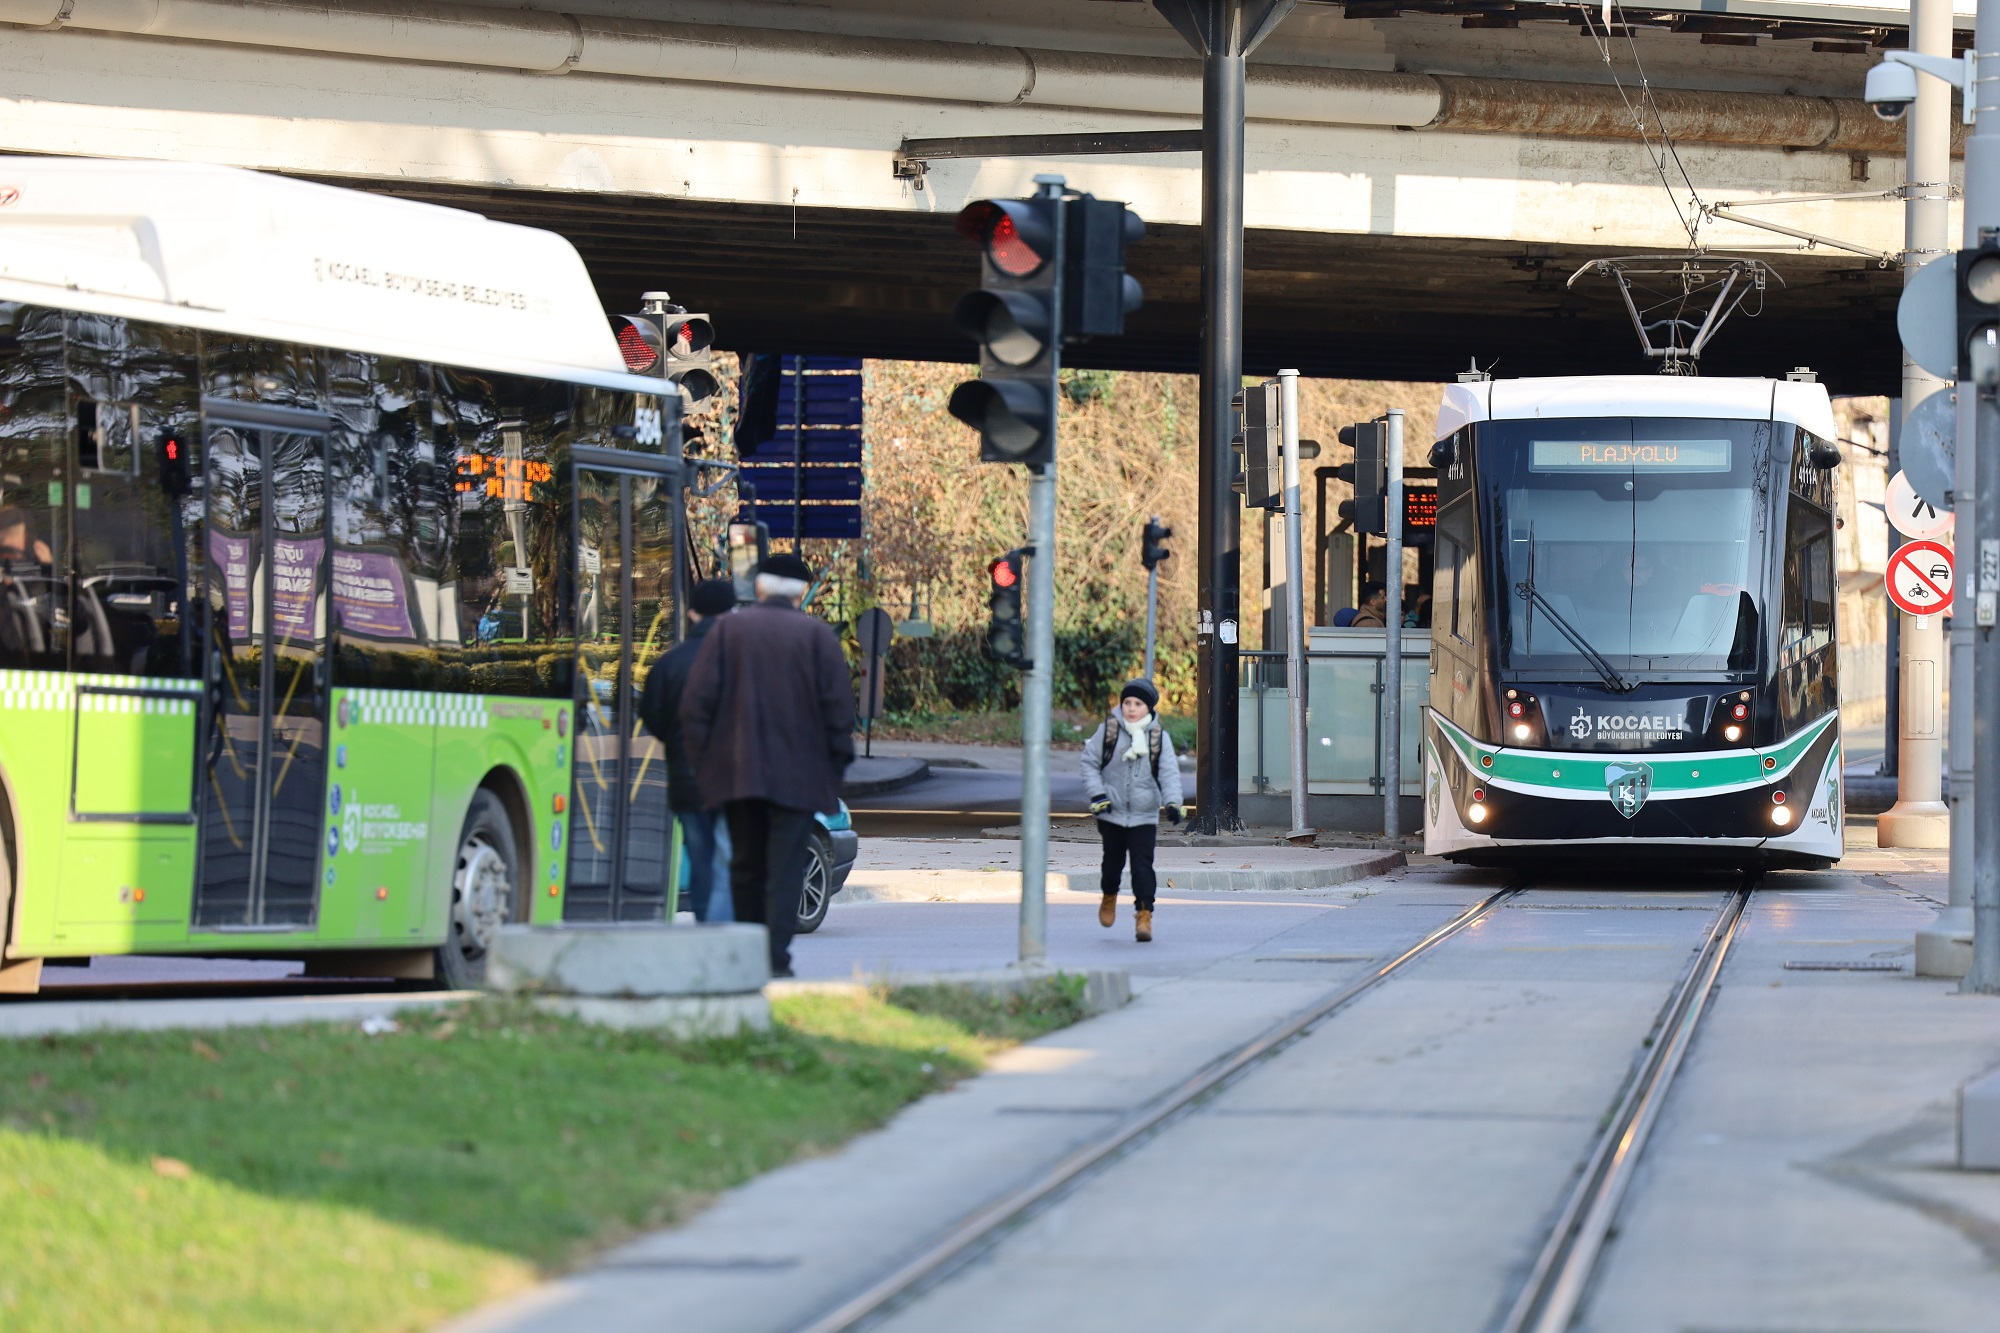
(505, 439)
(129, 383)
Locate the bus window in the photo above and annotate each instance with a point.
(34, 595)
(130, 382)
(505, 439)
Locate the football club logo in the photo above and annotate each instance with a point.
(1629, 785)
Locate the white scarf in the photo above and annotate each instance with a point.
(1137, 731)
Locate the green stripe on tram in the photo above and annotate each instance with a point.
(1682, 773)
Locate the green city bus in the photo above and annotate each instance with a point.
(335, 540)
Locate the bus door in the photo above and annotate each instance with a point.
(263, 762)
(620, 829)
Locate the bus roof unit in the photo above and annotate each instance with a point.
(266, 256)
(1800, 403)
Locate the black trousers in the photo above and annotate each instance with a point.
(767, 867)
(1137, 843)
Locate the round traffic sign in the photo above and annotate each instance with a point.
(1919, 578)
(1927, 317)
(1928, 447)
(1911, 514)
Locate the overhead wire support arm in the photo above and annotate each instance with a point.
(1813, 240)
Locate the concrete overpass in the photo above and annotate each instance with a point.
(1423, 176)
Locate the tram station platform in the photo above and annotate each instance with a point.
(1400, 1163)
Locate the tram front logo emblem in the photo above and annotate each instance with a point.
(1579, 726)
(1629, 785)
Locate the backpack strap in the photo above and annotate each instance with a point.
(1105, 752)
(1153, 748)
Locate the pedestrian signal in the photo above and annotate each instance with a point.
(1369, 441)
(1152, 542)
(175, 471)
(1006, 632)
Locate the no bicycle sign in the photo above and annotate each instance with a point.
(1919, 577)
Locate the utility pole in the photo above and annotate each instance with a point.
(1920, 818)
(1392, 650)
(1295, 603)
(1223, 33)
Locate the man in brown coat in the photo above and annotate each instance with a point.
(769, 708)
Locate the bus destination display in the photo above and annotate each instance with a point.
(1628, 456)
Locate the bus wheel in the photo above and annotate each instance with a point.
(485, 889)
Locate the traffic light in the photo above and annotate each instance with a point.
(1979, 315)
(1006, 632)
(176, 473)
(1014, 319)
(688, 346)
(1262, 441)
(1371, 478)
(1151, 538)
(1097, 291)
(640, 343)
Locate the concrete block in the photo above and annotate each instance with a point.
(1979, 1123)
(630, 961)
(683, 1016)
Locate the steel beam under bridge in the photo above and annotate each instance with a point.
(864, 282)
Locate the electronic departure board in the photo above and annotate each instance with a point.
(1628, 456)
(1420, 506)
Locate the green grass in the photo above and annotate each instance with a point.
(308, 1178)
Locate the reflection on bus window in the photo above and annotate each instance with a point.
(34, 595)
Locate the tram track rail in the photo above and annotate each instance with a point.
(971, 1235)
(1557, 1282)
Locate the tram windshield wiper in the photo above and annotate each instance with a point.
(1618, 683)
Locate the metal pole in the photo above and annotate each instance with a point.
(1944, 947)
(1982, 218)
(1919, 818)
(1295, 601)
(1392, 655)
(1152, 613)
(1892, 675)
(1221, 376)
(798, 453)
(1038, 685)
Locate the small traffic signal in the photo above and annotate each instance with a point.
(1262, 442)
(640, 343)
(1006, 632)
(1152, 538)
(176, 474)
(687, 346)
(1979, 314)
(1368, 439)
(1015, 321)
(1097, 291)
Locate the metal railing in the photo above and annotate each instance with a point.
(1344, 681)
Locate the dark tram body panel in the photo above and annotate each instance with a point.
(1634, 637)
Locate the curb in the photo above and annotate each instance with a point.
(1104, 989)
(974, 886)
(35, 1018)
(905, 773)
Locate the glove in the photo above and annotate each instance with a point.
(1171, 813)
(1100, 805)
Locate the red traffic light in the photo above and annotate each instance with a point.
(1013, 232)
(639, 343)
(1005, 575)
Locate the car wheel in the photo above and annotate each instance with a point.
(485, 891)
(818, 886)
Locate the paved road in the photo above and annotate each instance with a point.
(959, 802)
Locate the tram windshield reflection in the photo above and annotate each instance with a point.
(1641, 535)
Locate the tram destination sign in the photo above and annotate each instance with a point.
(1628, 456)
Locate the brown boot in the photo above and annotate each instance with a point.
(1142, 926)
(1107, 911)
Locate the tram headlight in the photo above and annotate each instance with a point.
(1476, 813)
(1522, 731)
(1732, 733)
(1780, 816)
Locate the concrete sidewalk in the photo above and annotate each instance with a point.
(988, 870)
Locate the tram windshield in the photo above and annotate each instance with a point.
(1637, 536)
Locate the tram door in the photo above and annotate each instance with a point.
(264, 749)
(620, 829)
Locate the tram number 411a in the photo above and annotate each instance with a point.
(1919, 577)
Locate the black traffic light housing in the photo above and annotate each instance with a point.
(1261, 413)
(176, 471)
(1006, 630)
(1369, 440)
(1979, 314)
(1097, 291)
(1152, 542)
(1015, 319)
(640, 343)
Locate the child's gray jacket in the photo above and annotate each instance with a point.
(1136, 797)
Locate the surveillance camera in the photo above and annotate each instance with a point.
(1891, 87)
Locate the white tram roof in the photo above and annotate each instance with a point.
(265, 256)
(1799, 403)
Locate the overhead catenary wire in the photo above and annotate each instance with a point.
(1600, 34)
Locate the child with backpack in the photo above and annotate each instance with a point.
(1133, 781)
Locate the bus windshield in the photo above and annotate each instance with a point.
(1639, 536)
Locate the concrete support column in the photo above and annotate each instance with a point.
(1919, 818)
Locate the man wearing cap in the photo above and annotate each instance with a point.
(768, 713)
(704, 836)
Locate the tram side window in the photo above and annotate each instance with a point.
(1457, 571)
(130, 384)
(1809, 580)
(34, 592)
(393, 516)
(506, 441)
